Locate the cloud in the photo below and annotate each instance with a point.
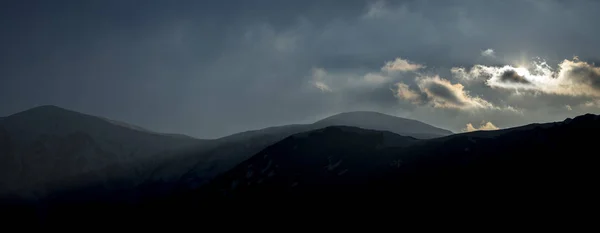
(362, 83)
(593, 104)
(571, 78)
(322, 86)
(403, 92)
(584, 76)
(441, 93)
(568, 107)
(318, 79)
(488, 53)
(376, 10)
(346, 38)
(512, 76)
(477, 72)
(401, 65)
(508, 77)
(375, 78)
(484, 126)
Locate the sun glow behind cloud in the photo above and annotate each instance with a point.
(571, 78)
(476, 93)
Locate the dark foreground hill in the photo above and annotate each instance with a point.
(547, 159)
(195, 168)
(534, 165)
(325, 159)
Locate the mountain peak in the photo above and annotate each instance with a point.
(366, 115)
(44, 110)
(54, 120)
(380, 121)
(360, 113)
(583, 118)
(48, 107)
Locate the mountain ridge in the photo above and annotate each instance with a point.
(58, 112)
(233, 149)
(534, 159)
(49, 147)
(45, 148)
(345, 164)
(352, 119)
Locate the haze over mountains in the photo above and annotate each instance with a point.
(49, 148)
(70, 163)
(246, 113)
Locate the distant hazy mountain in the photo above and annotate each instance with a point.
(48, 147)
(382, 122)
(360, 119)
(226, 152)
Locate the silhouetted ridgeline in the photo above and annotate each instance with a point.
(49, 152)
(530, 165)
(546, 159)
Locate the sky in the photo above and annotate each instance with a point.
(212, 68)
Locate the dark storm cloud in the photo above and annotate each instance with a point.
(209, 68)
(161, 64)
(586, 74)
(513, 77)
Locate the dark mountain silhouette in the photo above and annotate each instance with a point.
(325, 158)
(195, 168)
(47, 148)
(554, 161)
(533, 164)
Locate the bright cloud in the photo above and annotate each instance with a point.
(322, 86)
(344, 80)
(318, 80)
(403, 92)
(572, 78)
(483, 127)
(401, 65)
(473, 74)
(488, 53)
(443, 94)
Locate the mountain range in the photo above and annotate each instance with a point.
(48, 148)
(70, 162)
(338, 167)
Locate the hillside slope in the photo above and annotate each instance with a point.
(46, 148)
(531, 165)
(549, 159)
(231, 150)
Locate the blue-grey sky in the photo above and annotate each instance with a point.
(211, 68)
